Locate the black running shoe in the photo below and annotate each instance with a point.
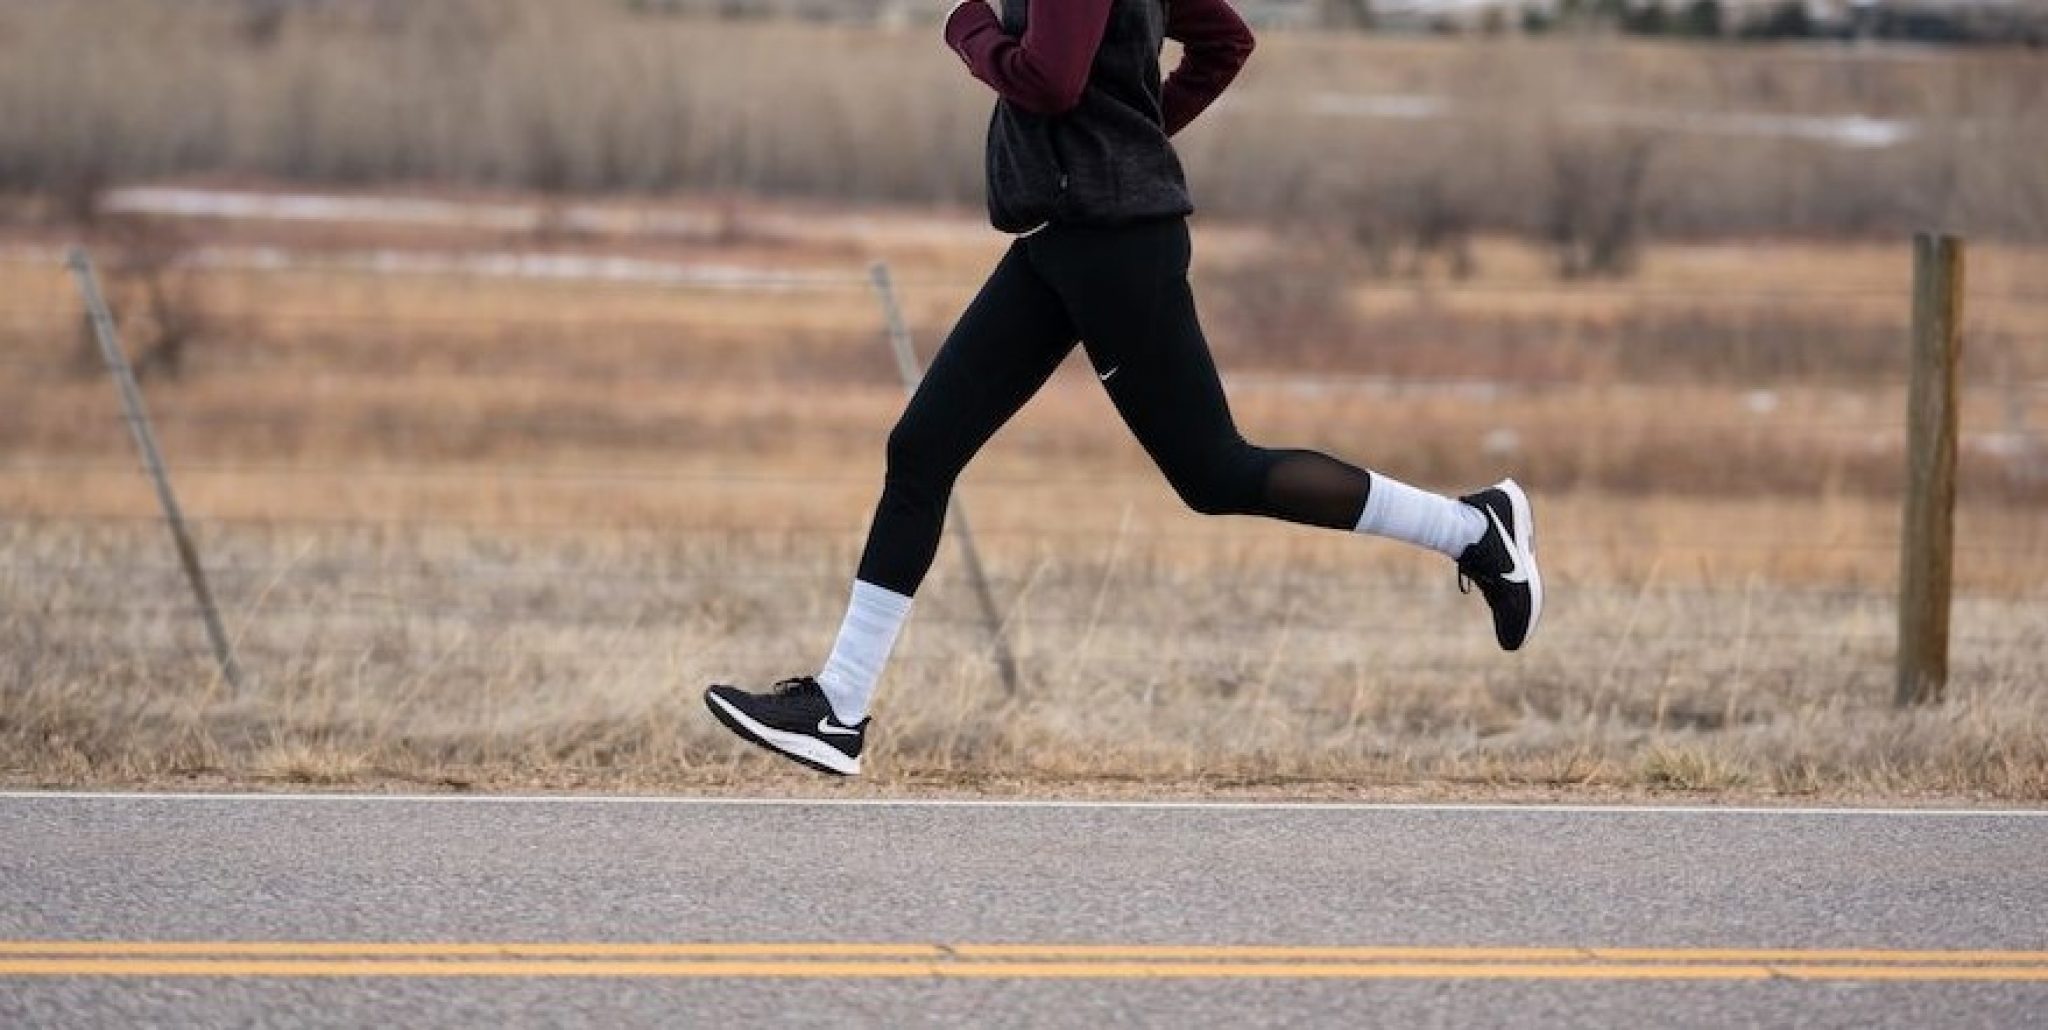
(793, 720)
(1503, 563)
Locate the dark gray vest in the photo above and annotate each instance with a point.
(1107, 161)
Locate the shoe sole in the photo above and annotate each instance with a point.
(1525, 539)
(806, 751)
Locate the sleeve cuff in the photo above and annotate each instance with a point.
(964, 18)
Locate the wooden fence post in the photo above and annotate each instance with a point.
(956, 513)
(152, 460)
(1928, 549)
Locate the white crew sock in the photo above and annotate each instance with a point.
(1443, 524)
(873, 618)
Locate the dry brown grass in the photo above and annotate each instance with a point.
(499, 533)
(470, 657)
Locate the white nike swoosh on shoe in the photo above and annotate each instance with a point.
(1525, 522)
(792, 743)
(1520, 572)
(825, 726)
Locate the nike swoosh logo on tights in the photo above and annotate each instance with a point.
(825, 726)
(1517, 574)
(1105, 375)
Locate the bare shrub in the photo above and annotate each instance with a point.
(262, 21)
(1421, 217)
(155, 296)
(1291, 302)
(1595, 217)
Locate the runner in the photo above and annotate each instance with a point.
(1081, 171)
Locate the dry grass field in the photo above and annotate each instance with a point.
(499, 530)
(489, 491)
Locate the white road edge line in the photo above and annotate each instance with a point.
(1018, 803)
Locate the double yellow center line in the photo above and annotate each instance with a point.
(998, 961)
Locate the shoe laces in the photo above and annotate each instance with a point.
(793, 685)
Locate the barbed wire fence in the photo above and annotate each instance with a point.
(455, 566)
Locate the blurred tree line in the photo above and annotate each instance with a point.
(1925, 21)
(1798, 19)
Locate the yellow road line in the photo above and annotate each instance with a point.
(2035, 974)
(483, 967)
(1271, 953)
(828, 969)
(1810, 955)
(828, 960)
(1365, 953)
(973, 952)
(470, 949)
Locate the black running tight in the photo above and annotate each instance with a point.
(1123, 293)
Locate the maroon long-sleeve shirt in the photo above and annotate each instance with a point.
(1046, 70)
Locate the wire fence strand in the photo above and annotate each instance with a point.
(592, 563)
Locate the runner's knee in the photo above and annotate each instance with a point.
(1225, 480)
(920, 456)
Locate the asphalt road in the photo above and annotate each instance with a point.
(312, 911)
